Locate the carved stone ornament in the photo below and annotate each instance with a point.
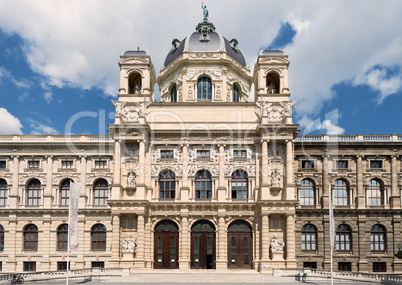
(214, 74)
(131, 115)
(275, 114)
(129, 244)
(228, 155)
(214, 169)
(277, 245)
(276, 178)
(264, 106)
(119, 105)
(287, 106)
(131, 180)
(250, 169)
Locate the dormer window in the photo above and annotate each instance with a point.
(204, 89)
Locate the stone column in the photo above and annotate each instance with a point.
(47, 196)
(325, 181)
(184, 190)
(290, 187)
(361, 197)
(264, 162)
(185, 247)
(139, 258)
(221, 243)
(395, 198)
(221, 190)
(83, 178)
(290, 242)
(14, 195)
(264, 240)
(116, 242)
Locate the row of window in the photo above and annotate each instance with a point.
(61, 265)
(341, 193)
(343, 238)
(65, 164)
(33, 192)
(341, 164)
(31, 237)
(347, 266)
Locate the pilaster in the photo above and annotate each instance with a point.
(325, 198)
(290, 242)
(361, 198)
(14, 197)
(139, 258)
(222, 260)
(184, 262)
(395, 199)
(264, 242)
(47, 197)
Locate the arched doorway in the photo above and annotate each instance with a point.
(240, 245)
(203, 245)
(166, 245)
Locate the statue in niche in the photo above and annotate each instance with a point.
(271, 88)
(136, 88)
(119, 106)
(276, 178)
(131, 180)
(277, 245)
(129, 244)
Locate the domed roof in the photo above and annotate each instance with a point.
(205, 39)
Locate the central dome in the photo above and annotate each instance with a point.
(205, 39)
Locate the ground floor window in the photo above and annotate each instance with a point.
(62, 265)
(379, 267)
(98, 264)
(29, 266)
(344, 266)
(311, 265)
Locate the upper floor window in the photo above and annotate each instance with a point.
(239, 185)
(309, 237)
(343, 237)
(203, 185)
(307, 193)
(341, 193)
(375, 163)
(31, 237)
(34, 193)
(375, 193)
(167, 185)
(101, 192)
(67, 164)
(1, 238)
(235, 94)
(307, 164)
(98, 237)
(33, 164)
(203, 154)
(62, 237)
(341, 164)
(239, 154)
(173, 94)
(204, 89)
(167, 154)
(377, 238)
(65, 192)
(100, 164)
(135, 83)
(3, 192)
(2, 164)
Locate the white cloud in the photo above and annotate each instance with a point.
(23, 83)
(79, 42)
(328, 126)
(37, 128)
(9, 125)
(48, 96)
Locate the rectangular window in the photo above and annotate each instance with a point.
(307, 164)
(344, 266)
(341, 164)
(379, 267)
(239, 154)
(98, 264)
(375, 163)
(67, 164)
(2, 164)
(3, 194)
(100, 164)
(29, 266)
(167, 154)
(62, 265)
(33, 164)
(1, 266)
(203, 154)
(311, 265)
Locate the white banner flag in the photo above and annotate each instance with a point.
(331, 221)
(73, 216)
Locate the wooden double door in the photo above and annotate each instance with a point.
(203, 250)
(240, 245)
(166, 246)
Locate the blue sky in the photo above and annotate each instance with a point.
(58, 59)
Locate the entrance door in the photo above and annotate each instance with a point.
(166, 246)
(240, 251)
(203, 245)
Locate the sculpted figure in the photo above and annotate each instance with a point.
(119, 106)
(129, 244)
(276, 178)
(277, 245)
(131, 180)
(205, 11)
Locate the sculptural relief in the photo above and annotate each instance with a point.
(131, 180)
(129, 244)
(277, 245)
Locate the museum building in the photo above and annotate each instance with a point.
(202, 179)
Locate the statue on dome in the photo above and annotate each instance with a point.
(205, 11)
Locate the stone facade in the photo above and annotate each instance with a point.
(205, 178)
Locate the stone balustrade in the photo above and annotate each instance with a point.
(349, 138)
(53, 138)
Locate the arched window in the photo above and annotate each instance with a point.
(235, 93)
(377, 238)
(135, 83)
(34, 193)
(173, 94)
(343, 237)
(101, 192)
(239, 185)
(375, 193)
(307, 193)
(341, 193)
(98, 237)
(1, 238)
(204, 89)
(65, 192)
(31, 237)
(309, 237)
(3, 192)
(62, 237)
(273, 83)
(203, 185)
(167, 185)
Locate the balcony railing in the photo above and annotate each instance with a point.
(349, 138)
